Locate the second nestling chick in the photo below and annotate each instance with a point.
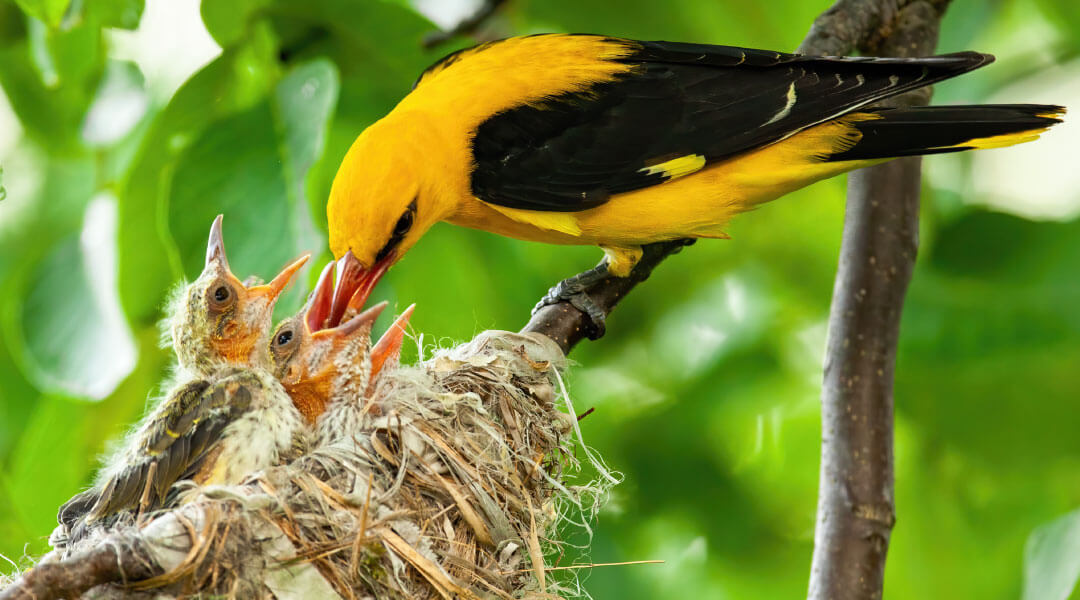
(227, 416)
(330, 371)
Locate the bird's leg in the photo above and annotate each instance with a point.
(573, 290)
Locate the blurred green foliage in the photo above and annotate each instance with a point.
(705, 388)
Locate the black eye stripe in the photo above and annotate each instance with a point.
(401, 229)
(403, 224)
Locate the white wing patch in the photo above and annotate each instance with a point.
(676, 167)
(787, 107)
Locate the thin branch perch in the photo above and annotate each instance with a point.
(104, 563)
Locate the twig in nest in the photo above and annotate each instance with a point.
(591, 565)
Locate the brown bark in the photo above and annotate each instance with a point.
(568, 326)
(856, 509)
(105, 563)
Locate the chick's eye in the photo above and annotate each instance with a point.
(404, 224)
(220, 296)
(284, 337)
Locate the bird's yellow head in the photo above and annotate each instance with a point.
(220, 320)
(380, 205)
(318, 365)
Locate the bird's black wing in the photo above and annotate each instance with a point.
(571, 152)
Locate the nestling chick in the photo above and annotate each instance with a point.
(329, 372)
(218, 320)
(227, 416)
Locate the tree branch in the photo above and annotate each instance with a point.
(856, 509)
(104, 563)
(567, 325)
(466, 27)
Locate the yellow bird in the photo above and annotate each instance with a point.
(586, 139)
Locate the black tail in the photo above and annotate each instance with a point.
(935, 129)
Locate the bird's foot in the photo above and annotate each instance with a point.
(573, 291)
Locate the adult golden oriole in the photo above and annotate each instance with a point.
(587, 139)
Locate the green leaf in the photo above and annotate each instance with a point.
(50, 77)
(77, 341)
(245, 182)
(120, 103)
(227, 20)
(378, 54)
(1052, 559)
(149, 262)
(258, 184)
(123, 14)
(1065, 15)
(303, 106)
(50, 12)
(752, 24)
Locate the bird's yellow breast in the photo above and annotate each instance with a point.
(697, 205)
(451, 101)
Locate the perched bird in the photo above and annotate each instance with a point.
(586, 139)
(330, 372)
(226, 417)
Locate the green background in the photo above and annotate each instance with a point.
(706, 386)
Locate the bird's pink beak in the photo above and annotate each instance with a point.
(389, 345)
(215, 253)
(355, 283)
(350, 326)
(322, 298)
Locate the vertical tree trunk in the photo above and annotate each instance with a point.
(856, 508)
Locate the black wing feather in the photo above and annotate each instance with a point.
(573, 151)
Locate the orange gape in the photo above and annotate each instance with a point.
(320, 365)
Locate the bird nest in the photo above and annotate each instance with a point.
(458, 485)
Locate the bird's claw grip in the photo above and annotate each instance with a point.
(573, 290)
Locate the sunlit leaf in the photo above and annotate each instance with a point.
(1052, 559)
(303, 105)
(50, 77)
(77, 340)
(123, 14)
(149, 262)
(120, 103)
(51, 12)
(226, 20)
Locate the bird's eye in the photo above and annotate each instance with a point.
(402, 227)
(404, 224)
(220, 296)
(284, 337)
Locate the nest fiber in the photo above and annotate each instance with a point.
(456, 486)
